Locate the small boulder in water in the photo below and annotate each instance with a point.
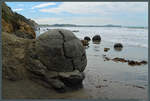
(118, 45)
(87, 38)
(96, 38)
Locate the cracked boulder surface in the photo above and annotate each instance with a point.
(58, 58)
(60, 50)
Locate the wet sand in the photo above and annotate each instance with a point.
(117, 80)
(102, 89)
(104, 79)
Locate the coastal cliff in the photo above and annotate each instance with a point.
(17, 24)
(17, 33)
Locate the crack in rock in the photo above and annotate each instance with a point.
(65, 51)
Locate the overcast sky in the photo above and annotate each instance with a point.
(83, 13)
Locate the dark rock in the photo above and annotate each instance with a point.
(143, 62)
(105, 80)
(57, 85)
(96, 38)
(138, 86)
(75, 31)
(85, 42)
(72, 79)
(132, 63)
(118, 45)
(87, 38)
(119, 59)
(106, 49)
(106, 58)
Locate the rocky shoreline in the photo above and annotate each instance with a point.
(130, 62)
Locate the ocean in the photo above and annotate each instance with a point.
(127, 36)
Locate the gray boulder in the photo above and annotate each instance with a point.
(118, 46)
(60, 50)
(87, 38)
(57, 58)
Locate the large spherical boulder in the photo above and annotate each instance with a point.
(60, 50)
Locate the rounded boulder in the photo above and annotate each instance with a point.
(61, 51)
(87, 38)
(96, 38)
